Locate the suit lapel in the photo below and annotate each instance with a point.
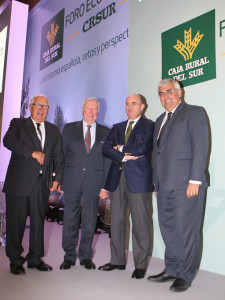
(122, 129)
(137, 126)
(173, 118)
(80, 135)
(29, 127)
(47, 135)
(135, 130)
(179, 108)
(171, 122)
(98, 135)
(158, 125)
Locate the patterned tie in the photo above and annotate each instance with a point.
(40, 134)
(129, 129)
(163, 128)
(87, 139)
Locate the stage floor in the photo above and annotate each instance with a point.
(81, 284)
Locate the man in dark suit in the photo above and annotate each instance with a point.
(84, 178)
(180, 153)
(129, 145)
(33, 142)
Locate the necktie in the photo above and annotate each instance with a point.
(129, 129)
(39, 132)
(163, 128)
(87, 139)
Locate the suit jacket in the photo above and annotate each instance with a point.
(23, 170)
(138, 173)
(181, 155)
(84, 171)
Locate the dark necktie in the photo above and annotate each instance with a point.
(129, 129)
(163, 128)
(87, 139)
(39, 132)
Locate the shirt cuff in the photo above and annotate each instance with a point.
(195, 182)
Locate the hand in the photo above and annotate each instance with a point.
(103, 194)
(192, 190)
(39, 156)
(55, 186)
(59, 190)
(132, 157)
(155, 193)
(117, 147)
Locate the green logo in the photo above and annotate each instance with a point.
(188, 50)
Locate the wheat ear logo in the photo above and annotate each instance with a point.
(187, 49)
(51, 36)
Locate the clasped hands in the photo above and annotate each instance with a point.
(127, 156)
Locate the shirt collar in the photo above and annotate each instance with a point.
(34, 122)
(93, 125)
(135, 120)
(172, 111)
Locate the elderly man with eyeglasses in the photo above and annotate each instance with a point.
(181, 143)
(33, 142)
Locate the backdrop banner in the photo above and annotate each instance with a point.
(78, 49)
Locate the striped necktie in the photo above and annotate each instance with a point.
(39, 132)
(87, 139)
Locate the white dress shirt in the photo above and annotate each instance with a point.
(42, 128)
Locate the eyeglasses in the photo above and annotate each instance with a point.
(167, 92)
(38, 105)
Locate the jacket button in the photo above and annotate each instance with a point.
(84, 169)
(158, 152)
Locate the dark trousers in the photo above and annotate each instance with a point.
(139, 204)
(16, 214)
(71, 223)
(180, 222)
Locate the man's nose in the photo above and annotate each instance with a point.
(165, 96)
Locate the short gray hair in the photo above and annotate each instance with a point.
(43, 96)
(170, 80)
(90, 99)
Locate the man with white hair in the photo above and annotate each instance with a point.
(84, 178)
